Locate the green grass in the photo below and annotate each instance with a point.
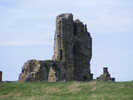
(67, 91)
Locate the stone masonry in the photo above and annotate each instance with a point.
(51, 77)
(73, 47)
(72, 54)
(35, 70)
(105, 76)
(0, 76)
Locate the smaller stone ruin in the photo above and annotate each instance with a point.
(0, 76)
(105, 76)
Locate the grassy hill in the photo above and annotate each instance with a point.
(67, 91)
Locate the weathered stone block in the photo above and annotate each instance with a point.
(34, 70)
(52, 76)
(105, 76)
(73, 47)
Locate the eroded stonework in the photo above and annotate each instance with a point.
(52, 76)
(72, 54)
(73, 47)
(105, 76)
(34, 70)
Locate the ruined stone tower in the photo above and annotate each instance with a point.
(63, 47)
(72, 54)
(73, 47)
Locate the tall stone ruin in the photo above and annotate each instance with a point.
(73, 47)
(72, 54)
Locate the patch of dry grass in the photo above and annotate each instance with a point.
(67, 91)
(74, 87)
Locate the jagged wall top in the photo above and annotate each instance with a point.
(65, 15)
(72, 51)
(73, 47)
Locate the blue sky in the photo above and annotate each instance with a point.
(27, 30)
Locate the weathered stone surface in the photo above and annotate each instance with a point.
(72, 54)
(0, 76)
(51, 77)
(73, 47)
(105, 76)
(64, 43)
(34, 70)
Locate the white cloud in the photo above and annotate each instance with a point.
(24, 43)
(25, 18)
(32, 22)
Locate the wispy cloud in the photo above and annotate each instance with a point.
(32, 23)
(32, 18)
(25, 43)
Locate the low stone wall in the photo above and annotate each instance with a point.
(35, 70)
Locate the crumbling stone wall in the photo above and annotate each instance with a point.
(73, 47)
(63, 47)
(82, 51)
(34, 70)
(72, 54)
(105, 76)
